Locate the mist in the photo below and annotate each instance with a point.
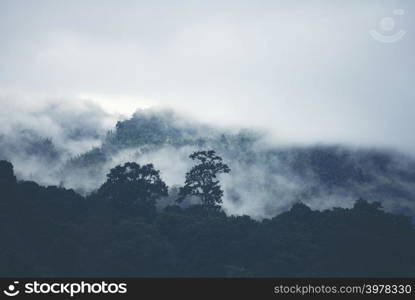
(76, 145)
(303, 81)
(306, 71)
(38, 137)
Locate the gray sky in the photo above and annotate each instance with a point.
(309, 71)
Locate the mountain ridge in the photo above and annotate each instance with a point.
(266, 178)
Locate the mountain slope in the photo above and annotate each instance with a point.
(265, 178)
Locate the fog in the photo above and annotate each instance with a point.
(39, 137)
(303, 73)
(307, 71)
(50, 142)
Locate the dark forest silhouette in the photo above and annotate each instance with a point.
(117, 231)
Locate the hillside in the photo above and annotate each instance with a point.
(276, 176)
(54, 232)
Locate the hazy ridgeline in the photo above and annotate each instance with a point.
(76, 146)
(71, 207)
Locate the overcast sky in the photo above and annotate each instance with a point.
(309, 71)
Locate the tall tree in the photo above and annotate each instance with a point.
(6, 173)
(133, 188)
(202, 179)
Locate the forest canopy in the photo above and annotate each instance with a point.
(118, 231)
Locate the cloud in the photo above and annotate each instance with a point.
(74, 143)
(305, 72)
(308, 72)
(39, 136)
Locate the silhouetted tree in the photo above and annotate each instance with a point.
(6, 173)
(7, 186)
(202, 180)
(363, 205)
(134, 189)
(52, 231)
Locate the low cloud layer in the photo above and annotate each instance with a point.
(40, 136)
(307, 71)
(76, 145)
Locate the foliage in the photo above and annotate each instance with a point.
(52, 231)
(202, 179)
(132, 188)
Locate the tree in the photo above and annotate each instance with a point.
(202, 180)
(134, 189)
(6, 173)
(7, 185)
